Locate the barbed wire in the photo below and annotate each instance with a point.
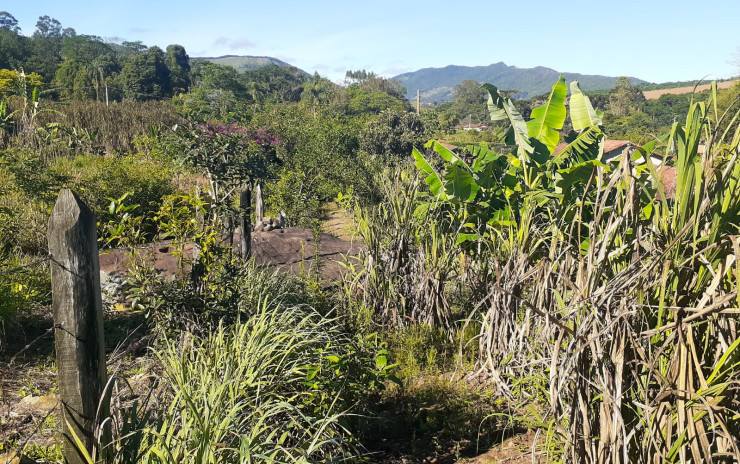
(38, 262)
(33, 342)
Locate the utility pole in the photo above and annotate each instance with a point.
(418, 102)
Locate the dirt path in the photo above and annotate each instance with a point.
(339, 223)
(514, 450)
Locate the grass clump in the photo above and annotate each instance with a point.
(240, 394)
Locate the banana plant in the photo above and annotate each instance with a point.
(495, 188)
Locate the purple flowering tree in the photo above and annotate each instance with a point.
(233, 159)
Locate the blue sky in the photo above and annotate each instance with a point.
(654, 40)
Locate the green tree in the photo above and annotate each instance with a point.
(88, 62)
(13, 49)
(275, 83)
(50, 28)
(145, 76)
(130, 48)
(8, 21)
(178, 63)
(363, 102)
(316, 92)
(470, 101)
(45, 47)
(368, 81)
(625, 98)
(393, 134)
(320, 160)
(83, 87)
(215, 93)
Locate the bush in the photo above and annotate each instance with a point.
(98, 179)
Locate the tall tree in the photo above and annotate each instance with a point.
(625, 98)
(470, 101)
(50, 28)
(13, 49)
(93, 58)
(8, 21)
(371, 82)
(316, 91)
(275, 83)
(393, 134)
(45, 47)
(145, 76)
(178, 63)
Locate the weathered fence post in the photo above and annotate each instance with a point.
(78, 318)
(258, 205)
(245, 213)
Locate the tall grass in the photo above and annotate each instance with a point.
(238, 394)
(611, 304)
(408, 262)
(637, 291)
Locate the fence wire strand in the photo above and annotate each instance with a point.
(38, 262)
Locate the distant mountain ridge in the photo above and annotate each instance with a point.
(246, 63)
(437, 84)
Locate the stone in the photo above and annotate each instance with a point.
(39, 404)
(282, 219)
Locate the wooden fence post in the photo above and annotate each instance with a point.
(245, 213)
(258, 205)
(78, 319)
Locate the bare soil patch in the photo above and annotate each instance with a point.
(655, 94)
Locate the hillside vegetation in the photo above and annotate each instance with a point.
(245, 63)
(514, 291)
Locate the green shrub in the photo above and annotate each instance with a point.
(98, 178)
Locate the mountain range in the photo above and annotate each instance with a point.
(437, 84)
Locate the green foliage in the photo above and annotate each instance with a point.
(98, 179)
(470, 101)
(275, 84)
(320, 160)
(316, 92)
(28, 188)
(178, 63)
(442, 416)
(231, 157)
(145, 76)
(256, 392)
(595, 234)
(363, 102)
(25, 286)
(625, 98)
(392, 135)
(404, 273)
(215, 93)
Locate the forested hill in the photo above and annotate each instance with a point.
(437, 84)
(246, 63)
